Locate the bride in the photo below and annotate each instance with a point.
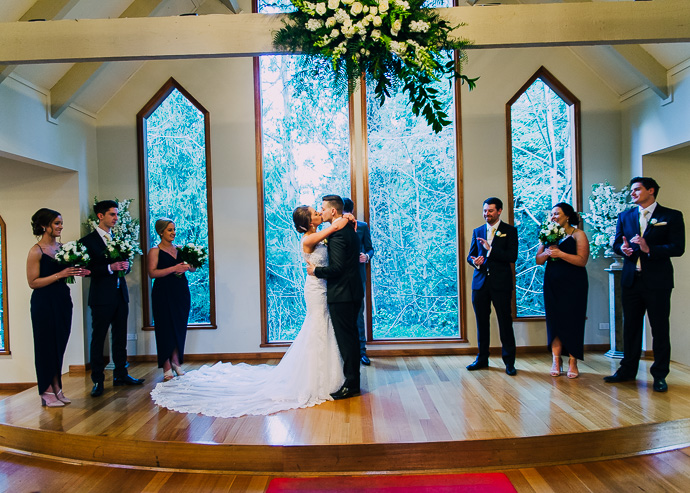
(308, 373)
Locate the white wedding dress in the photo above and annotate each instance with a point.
(310, 370)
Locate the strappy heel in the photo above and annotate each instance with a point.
(572, 362)
(557, 367)
(168, 375)
(177, 369)
(51, 401)
(62, 397)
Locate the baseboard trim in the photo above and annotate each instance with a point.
(17, 386)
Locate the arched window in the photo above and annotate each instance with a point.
(175, 182)
(4, 316)
(543, 121)
(304, 155)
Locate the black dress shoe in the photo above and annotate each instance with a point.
(127, 380)
(97, 389)
(365, 360)
(660, 385)
(617, 377)
(510, 370)
(478, 365)
(344, 393)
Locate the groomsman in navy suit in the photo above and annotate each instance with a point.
(647, 236)
(493, 251)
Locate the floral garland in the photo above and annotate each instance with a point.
(393, 43)
(605, 204)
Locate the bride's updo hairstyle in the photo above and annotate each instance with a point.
(302, 218)
(42, 219)
(573, 217)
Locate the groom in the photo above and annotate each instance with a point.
(344, 292)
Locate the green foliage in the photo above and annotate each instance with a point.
(542, 160)
(412, 183)
(177, 186)
(394, 45)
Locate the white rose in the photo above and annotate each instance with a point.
(333, 4)
(365, 9)
(397, 25)
(377, 21)
(335, 33)
(375, 34)
(330, 22)
(321, 8)
(373, 10)
(356, 8)
(383, 6)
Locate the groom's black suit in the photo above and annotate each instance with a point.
(344, 295)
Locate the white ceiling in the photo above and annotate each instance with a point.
(619, 74)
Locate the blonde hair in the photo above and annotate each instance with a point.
(161, 224)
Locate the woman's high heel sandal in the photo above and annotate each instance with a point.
(48, 399)
(557, 367)
(573, 373)
(62, 397)
(168, 375)
(178, 370)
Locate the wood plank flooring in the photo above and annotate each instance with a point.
(424, 403)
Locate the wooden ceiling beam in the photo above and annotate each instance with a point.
(647, 67)
(152, 38)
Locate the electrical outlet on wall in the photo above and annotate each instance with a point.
(603, 326)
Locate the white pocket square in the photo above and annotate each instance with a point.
(662, 223)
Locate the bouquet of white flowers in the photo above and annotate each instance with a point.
(120, 250)
(551, 233)
(194, 255)
(72, 254)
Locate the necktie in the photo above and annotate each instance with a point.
(492, 232)
(644, 220)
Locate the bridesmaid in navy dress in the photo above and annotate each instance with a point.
(170, 299)
(51, 305)
(565, 290)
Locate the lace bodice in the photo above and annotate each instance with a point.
(319, 257)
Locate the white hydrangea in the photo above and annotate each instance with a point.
(401, 4)
(419, 26)
(349, 31)
(341, 16)
(314, 24)
(398, 47)
(320, 8)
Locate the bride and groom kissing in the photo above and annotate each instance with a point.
(344, 292)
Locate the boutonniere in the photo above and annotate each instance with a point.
(325, 241)
(655, 222)
(499, 234)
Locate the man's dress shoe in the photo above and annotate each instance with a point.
(510, 370)
(478, 365)
(97, 389)
(617, 377)
(127, 380)
(660, 385)
(344, 393)
(365, 360)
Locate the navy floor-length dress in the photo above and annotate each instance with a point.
(51, 318)
(565, 301)
(170, 303)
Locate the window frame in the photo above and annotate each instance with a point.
(576, 135)
(143, 114)
(5, 296)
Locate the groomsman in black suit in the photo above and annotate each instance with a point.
(647, 236)
(108, 299)
(343, 292)
(493, 250)
(366, 251)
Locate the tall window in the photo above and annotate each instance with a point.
(175, 183)
(305, 155)
(4, 318)
(413, 204)
(543, 125)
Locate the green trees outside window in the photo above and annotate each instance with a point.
(544, 126)
(175, 174)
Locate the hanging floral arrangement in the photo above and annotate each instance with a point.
(392, 43)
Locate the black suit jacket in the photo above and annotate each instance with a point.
(104, 288)
(342, 272)
(365, 246)
(665, 235)
(504, 252)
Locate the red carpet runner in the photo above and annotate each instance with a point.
(439, 483)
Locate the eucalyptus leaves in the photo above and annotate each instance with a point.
(392, 43)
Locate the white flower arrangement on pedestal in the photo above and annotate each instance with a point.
(605, 203)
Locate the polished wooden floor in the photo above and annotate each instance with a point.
(416, 413)
(663, 472)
